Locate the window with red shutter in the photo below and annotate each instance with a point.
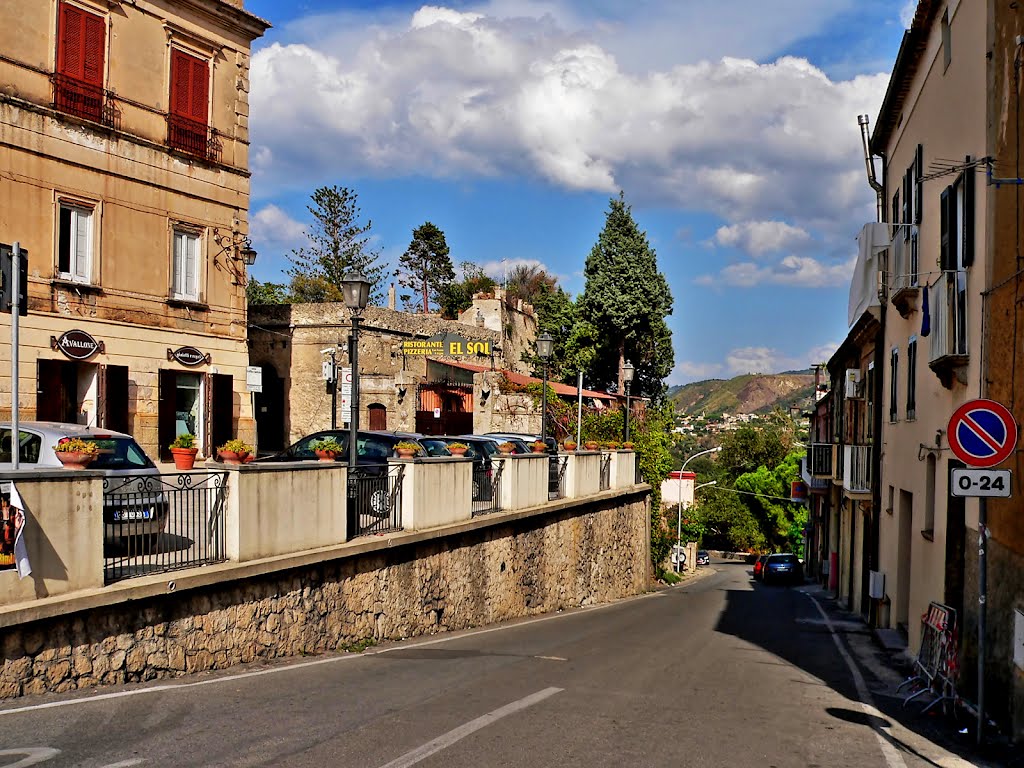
(81, 52)
(188, 117)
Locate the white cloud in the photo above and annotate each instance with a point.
(758, 360)
(760, 237)
(907, 13)
(822, 353)
(498, 269)
(271, 224)
(793, 271)
(688, 371)
(447, 94)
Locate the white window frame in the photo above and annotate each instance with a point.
(80, 258)
(180, 288)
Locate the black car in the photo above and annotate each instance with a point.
(782, 568)
(372, 448)
(554, 470)
(703, 558)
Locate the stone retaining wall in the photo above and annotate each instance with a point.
(588, 555)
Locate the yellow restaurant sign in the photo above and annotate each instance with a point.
(446, 345)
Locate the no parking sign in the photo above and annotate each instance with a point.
(982, 433)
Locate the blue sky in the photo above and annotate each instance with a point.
(731, 128)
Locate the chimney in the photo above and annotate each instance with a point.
(391, 297)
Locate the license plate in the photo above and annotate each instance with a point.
(124, 515)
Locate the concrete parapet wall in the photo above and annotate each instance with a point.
(562, 555)
(524, 480)
(623, 473)
(582, 474)
(436, 492)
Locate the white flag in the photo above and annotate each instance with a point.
(20, 521)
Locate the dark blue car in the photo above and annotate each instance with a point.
(782, 569)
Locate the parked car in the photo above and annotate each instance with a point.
(703, 558)
(526, 439)
(759, 566)
(782, 568)
(480, 449)
(677, 556)
(134, 507)
(435, 446)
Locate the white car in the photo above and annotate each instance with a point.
(678, 555)
(134, 505)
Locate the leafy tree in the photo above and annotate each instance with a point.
(425, 267)
(265, 293)
(748, 448)
(339, 246)
(626, 300)
(456, 297)
(528, 282)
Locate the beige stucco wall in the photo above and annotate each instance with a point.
(64, 534)
(524, 480)
(582, 473)
(623, 468)
(279, 509)
(944, 133)
(435, 491)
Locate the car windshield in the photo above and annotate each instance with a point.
(783, 560)
(435, 447)
(119, 453)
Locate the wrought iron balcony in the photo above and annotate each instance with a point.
(857, 469)
(819, 460)
(89, 102)
(193, 138)
(949, 349)
(817, 484)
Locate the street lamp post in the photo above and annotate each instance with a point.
(545, 344)
(356, 290)
(679, 519)
(627, 378)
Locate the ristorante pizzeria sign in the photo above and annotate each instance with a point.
(446, 345)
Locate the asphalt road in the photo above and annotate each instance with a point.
(720, 672)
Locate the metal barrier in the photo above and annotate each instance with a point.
(487, 487)
(937, 664)
(375, 499)
(606, 471)
(156, 523)
(556, 477)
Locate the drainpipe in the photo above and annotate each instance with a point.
(862, 121)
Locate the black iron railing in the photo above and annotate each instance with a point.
(606, 471)
(193, 138)
(556, 477)
(820, 456)
(487, 487)
(375, 499)
(86, 101)
(156, 523)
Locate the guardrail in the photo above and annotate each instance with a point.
(375, 499)
(158, 523)
(487, 487)
(936, 667)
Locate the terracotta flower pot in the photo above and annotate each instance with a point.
(506, 449)
(75, 460)
(406, 453)
(184, 458)
(326, 455)
(457, 451)
(590, 445)
(230, 457)
(569, 445)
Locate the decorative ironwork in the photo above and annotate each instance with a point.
(86, 101)
(194, 138)
(487, 487)
(157, 523)
(606, 471)
(556, 477)
(375, 499)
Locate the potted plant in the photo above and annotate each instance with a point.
(569, 445)
(457, 449)
(612, 445)
(184, 451)
(507, 447)
(75, 453)
(628, 445)
(407, 449)
(326, 448)
(590, 445)
(538, 446)
(234, 451)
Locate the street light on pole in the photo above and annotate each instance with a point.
(356, 290)
(627, 378)
(545, 345)
(679, 518)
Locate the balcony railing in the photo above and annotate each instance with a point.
(819, 460)
(857, 468)
(949, 317)
(86, 101)
(193, 138)
(903, 266)
(813, 483)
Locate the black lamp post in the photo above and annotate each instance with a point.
(627, 378)
(545, 344)
(356, 290)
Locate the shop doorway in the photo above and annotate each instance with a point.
(445, 408)
(198, 404)
(270, 411)
(75, 392)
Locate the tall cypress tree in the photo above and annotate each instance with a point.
(626, 300)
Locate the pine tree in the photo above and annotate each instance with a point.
(425, 267)
(339, 247)
(625, 302)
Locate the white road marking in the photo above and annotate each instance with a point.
(32, 755)
(446, 740)
(126, 763)
(317, 662)
(551, 658)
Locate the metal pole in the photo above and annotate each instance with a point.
(579, 410)
(627, 413)
(354, 417)
(982, 595)
(15, 315)
(334, 388)
(544, 409)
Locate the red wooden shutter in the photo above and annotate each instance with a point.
(200, 91)
(190, 87)
(94, 36)
(69, 56)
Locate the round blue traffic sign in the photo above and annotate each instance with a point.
(982, 433)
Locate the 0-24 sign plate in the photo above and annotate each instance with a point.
(982, 482)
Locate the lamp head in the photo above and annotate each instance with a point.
(627, 372)
(248, 255)
(356, 290)
(545, 345)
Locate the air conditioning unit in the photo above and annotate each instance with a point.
(853, 388)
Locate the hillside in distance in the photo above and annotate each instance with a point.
(750, 393)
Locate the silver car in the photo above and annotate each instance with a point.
(134, 506)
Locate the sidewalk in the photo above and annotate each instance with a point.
(923, 739)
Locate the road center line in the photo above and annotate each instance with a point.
(446, 740)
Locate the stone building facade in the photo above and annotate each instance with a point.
(125, 136)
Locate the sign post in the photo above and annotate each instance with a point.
(982, 433)
(15, 313)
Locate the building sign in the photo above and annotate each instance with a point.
(254, 378)
(447, 345)
(78, 345)
(189, 356)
